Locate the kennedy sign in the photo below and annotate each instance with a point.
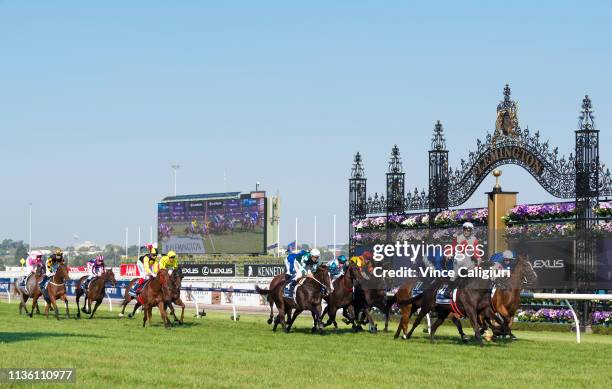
(208, 269)
(263, 270)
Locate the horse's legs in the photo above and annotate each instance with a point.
(373, 328)
(124, 303)
(436, 324)
(78, 299)
(146, 314)
(34, 303)
(404, 321)
(181, 304)
(271, 311)
(65, 299)
(417, 321)
(295, 315)
(22, 303)
(474, 322)
(52, 298)
(457, 323)
(136, 306)
(98, 302)
(164, 315)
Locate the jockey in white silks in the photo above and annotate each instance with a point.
(465, 242)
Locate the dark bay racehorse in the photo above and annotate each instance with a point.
(277, 281)
(473, 299)
(342, 297)
(426, 302)
(507, 297)
(154, 294)
(28, 290)
(308, 297)
(95, 292)
(370, 292)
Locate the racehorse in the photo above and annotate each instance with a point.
(472, 299)
(95, 292)
(155, 293)
(370, 293)
(127, 297)
(342, 297)
(176, 279)
(425, 301)
(29, 288)
(308, 296)
(277, 281)
(507, 296)
(56, 289)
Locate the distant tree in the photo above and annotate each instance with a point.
(20, 252)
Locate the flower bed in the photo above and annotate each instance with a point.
(522, 213)
(448, 218)
(603, 209)
(549, 315)
(539, 231)
(545, 315)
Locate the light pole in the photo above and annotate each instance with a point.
(175, 167)
(257, 186)
(29, 227)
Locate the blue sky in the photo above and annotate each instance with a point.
(97, 101)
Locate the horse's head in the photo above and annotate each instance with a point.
(176, 279)
(525, 270)
(322, 275)
(166, 283)
(110, 276)
(62, 272)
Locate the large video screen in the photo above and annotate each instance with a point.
(230, 226)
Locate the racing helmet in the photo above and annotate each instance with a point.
(171, 254)
(468, 225)
(342, 258)
(100, 259)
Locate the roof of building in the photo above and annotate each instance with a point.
(207, 196)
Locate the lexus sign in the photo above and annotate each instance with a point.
(208, 269)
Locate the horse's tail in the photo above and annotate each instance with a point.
(262, 291)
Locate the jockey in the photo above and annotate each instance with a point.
(304, 265)
(146, 268)
(336, 267)
(95, 267)
(461, 243)
(357, 261)
(168, 261)
(34, 261)
(53, 263)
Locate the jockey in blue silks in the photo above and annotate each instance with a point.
(336, 267)
(299, 265)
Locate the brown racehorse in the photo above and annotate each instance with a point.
(507, 297)
(56, 289)
(27, 291)
(127, 297)
(308, 296)
(95, 292)
(425, 301)
(370, 293)
(155, 293)
(342, 297)
(176, 279)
